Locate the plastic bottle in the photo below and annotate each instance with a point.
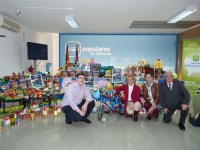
(45, 113)
(18, 120)
(55, 111)
(1, 123)
(15, 116)
(12, 120)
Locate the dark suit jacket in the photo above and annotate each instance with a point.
(135, 95)
(171, 99)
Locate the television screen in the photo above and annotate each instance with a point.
(37, 51)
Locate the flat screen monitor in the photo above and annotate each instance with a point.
(37, 51)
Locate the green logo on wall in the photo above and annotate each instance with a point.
(195, 58)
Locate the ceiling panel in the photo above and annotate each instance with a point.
(98, 16)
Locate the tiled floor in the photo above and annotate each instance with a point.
(118, 133)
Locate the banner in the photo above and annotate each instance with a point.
(191, 65)
(119, 50)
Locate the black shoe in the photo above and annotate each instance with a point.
(68, 121)
(181, 126)
(149, 118)
(156, 116)
(86, 121)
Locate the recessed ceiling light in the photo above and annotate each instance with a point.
(72, 21)
(182, 13)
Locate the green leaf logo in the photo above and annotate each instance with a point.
(195, 58)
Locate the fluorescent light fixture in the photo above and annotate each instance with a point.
(72, 22)
(182, 13)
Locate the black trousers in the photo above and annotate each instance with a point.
(74, 116)
(168, 117)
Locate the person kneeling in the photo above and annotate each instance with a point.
(75, 108)
(132, 103)
(150, 92)
(174, 96)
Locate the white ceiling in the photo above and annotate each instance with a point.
(96, 16)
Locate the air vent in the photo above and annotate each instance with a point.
(9, 25)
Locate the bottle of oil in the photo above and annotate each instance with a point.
(10, 112)
(45, 113)
(55, 111)
(32, 115)
(12, 120)
(15, 116)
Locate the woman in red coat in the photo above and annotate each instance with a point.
(132, 103)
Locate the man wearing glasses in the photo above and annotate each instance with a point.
(75, 108)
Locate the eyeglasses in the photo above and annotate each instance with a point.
(148, 77)
(81, 78)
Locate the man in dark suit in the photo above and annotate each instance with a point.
(174, 96)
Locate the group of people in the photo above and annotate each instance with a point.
(171, 95)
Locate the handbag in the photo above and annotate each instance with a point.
(195, 121)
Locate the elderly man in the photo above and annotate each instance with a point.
(173, 95)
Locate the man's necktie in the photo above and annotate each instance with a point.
(170, 87)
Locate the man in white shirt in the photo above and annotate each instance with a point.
(75, 108)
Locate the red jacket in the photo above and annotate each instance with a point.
(135, 95)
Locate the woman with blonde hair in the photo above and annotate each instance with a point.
(132, 103)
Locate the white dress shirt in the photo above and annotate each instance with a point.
(171, 85)
(130, 89)
(150, 92)
(74, 95)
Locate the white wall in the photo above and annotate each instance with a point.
(55, 64)
(52, 41)
(13, 50)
